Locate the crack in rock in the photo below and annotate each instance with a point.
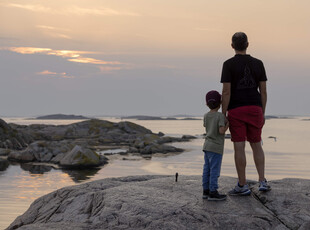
(263, 201)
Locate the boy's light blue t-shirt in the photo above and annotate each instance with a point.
(214, 141)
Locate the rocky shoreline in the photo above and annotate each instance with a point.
(78, 145)
(159, 202)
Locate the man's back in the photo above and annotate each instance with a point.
(244, 73)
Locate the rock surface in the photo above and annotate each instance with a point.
(80, 157)
(4, 152)
(42, 151)
(10, 138)
(158, 202)
(52, 142)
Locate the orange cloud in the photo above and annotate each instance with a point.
(72, 56)
(105, 69)
(37, 8)
(57, 35)
(49, 73)
(54, 31)
(100, 11)
(28, 50)
(51, 28)
(68, 53)
(73, 10)
(94, 61)
(46, 72)
(48, 51)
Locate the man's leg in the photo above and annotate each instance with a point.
(240, 161)
(255, 124)
(259, 159)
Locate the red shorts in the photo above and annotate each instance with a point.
(246, 123)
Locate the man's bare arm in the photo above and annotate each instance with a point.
(263, 93)
(225, 97)
(223, 129)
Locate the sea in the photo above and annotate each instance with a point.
(285, 140)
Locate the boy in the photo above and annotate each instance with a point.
(213, 147)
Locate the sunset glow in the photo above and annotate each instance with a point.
(160, 55)
(73, 56)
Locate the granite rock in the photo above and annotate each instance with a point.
(80, 157)
(52, 142)
(11, 138)
(42, 151)
(158, 202)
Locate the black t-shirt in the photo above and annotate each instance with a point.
(244, 73)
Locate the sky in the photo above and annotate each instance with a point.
(145, 57)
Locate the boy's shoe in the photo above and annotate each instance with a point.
(205, 194)
(214, 195)
(263, 186)
(240, 191)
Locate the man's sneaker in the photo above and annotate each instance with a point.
(240, 191)
(205, 194)
(216, 196)
(263, 186)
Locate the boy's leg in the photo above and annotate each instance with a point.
(206, 172)
(215, 169)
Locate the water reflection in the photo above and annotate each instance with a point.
(36, 169)
(81, 175)
(4, 164)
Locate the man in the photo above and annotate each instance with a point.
(244, 102)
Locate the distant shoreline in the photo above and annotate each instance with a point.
(61, 117)
(138, 117)
(142, 117)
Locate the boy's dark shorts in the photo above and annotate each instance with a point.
(246, 123)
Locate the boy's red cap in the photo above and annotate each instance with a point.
(214, 96)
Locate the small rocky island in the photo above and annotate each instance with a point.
(77, 145)
(61, 117)
(158, 202)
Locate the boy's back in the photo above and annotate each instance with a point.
(214, 140)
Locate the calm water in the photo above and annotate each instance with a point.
(286, 156)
